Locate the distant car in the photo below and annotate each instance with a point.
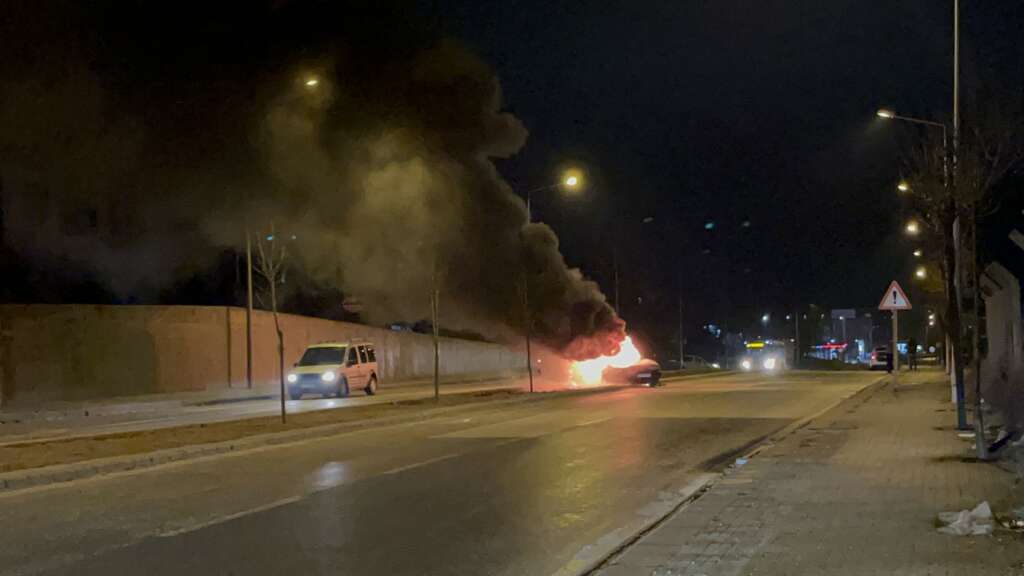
(646, 372)
(334, 369)
(879, 358)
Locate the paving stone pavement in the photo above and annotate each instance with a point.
(856, 491)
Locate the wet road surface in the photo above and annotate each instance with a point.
(516, 489)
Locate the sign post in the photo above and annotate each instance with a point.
(894, 300)
(895, 341)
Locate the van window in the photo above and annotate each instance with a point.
(353, 357)
(322, 355)
(362, 354)
(371, 356)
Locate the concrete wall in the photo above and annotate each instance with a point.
(1004, 324)
(76, 352)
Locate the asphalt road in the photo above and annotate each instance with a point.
(516, 489)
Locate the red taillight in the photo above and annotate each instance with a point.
(874, 355)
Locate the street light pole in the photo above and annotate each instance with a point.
(248, 309)
(435, 297)
(571, 180)
(949, 183)
(680, 330)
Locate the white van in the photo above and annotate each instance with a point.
(334, 369)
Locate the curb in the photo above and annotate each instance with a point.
(17, 480)
(867, 392)
(596, 556)
(702, 486)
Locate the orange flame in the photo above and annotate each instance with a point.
(590, 371)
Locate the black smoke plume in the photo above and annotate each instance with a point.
(366, 141)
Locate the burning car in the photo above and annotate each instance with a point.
(627, 366)
(646, 372)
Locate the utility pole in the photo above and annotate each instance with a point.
(435, 296)
(957, 339)
(681, 334)
(248, 309)
(529, 329)
(796, 323)
(615, 266)
(980, 443)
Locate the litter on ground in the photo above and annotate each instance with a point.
(977, 522)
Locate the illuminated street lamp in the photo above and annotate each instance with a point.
(912, 228)
(571, 180)
(921, 272)
(903, 186)
(918, 253)
(890, 115)
(312, 82)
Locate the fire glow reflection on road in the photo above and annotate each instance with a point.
(589, 371)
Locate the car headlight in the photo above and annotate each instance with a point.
(769, 363)
(293, 378)
(328, 376)
(745, 364)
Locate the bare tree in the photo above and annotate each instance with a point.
(271, 256)
(951, 211)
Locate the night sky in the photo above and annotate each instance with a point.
(733, 111)
(731, 150)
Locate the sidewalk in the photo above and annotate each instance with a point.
(856, 492)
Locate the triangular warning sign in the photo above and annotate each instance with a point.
(895, 298)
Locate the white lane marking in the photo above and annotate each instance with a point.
(293, 499)
(415, 465)
(437, 459)
(227, 518)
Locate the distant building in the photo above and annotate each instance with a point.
(851, 335)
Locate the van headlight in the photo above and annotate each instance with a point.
(293, 378)
(745, 364)
(328, 376)
(769, 363)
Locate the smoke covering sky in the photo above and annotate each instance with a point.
(171, 128)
